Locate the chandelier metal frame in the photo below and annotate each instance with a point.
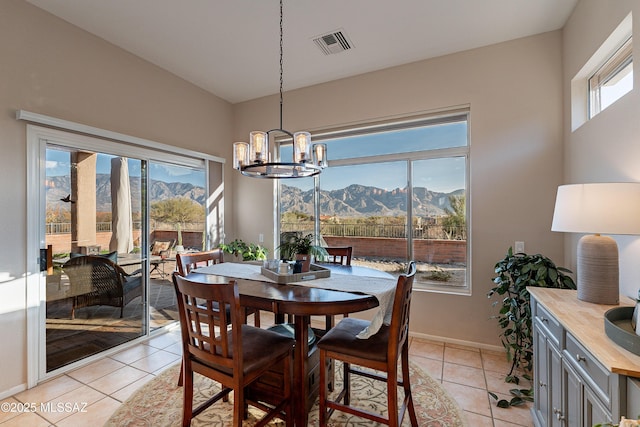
(253, 159)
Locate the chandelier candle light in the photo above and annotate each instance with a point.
(253, 159)
(603, 208)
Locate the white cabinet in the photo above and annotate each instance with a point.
(572, 387)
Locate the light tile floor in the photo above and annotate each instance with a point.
(89, 395)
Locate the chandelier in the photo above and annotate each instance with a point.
(253, 159)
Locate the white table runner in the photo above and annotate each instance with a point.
(381, 288)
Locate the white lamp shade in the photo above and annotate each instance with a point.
(602, 208)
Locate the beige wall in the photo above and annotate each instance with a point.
(514, 91)
(518, 116)
(50, 67)
(606, 148)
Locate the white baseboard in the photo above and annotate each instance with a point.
(448, 340)
(14, 390)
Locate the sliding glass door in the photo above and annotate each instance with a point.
(108, 219)
(177, 222)
(96, 286)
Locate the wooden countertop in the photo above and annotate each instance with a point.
(585, 321)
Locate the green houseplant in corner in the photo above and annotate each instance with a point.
(513, 274)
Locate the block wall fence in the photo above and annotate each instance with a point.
(430, 251)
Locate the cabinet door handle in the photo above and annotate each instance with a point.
(558, 413)
(541, 384)
(580, 358)
(543, 319)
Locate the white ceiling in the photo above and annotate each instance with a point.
(230, 47)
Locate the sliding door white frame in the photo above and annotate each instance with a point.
(86, 137)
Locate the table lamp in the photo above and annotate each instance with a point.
(603, 208)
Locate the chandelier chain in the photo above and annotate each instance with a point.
(253, 159)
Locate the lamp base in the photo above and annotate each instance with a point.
(598, 271)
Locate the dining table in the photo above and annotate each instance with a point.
(349, 289)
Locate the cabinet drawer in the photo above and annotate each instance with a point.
(552, 328)
(593, 373)
(633, 398)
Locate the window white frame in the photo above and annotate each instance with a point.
(580, 95)
(619, 64)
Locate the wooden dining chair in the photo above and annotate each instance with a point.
(339, 255)
(235, 356)
(185, 262)
(379, 352)
(190, 260)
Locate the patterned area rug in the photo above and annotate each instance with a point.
(159, 403)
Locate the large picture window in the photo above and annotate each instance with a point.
(394, 191)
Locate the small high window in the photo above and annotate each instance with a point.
(612, 80)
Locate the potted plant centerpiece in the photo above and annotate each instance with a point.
(299, 247)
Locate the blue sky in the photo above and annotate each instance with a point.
(58, 164)
(444, 175)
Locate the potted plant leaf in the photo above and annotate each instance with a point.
(299, 247)
(246, 251)
(513, 274)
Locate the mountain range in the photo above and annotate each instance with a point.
(363, 201)
(352, 201)
(58, 187)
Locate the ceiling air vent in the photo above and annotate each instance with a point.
(334, 42)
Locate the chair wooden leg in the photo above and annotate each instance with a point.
(329, 324)
(180, 378)
(346, 379)
(288, 385)
(322, 403)
(187, 412)
(407, 385)
(392, 397)
(238, 406)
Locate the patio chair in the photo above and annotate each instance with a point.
(100, 281)
(160, 251)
